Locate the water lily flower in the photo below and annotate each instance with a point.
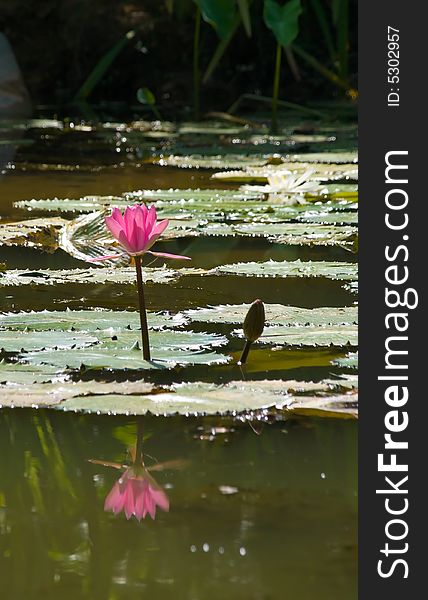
(137, 494)
(136, 231)
(288, 183)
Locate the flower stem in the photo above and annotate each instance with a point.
(245, 353)
(142, 306)
(274, 126)
(139, 443)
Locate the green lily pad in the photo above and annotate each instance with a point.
(276, 314)
(113, 337)
(17, 373)
(48, 395)
(116, 358)
(331, 335)
(325, 157)
(350, 361)
(87, 237)
(95, 276)
(97, 203)
(36, 233)
(86, 320)
(332, 270)
(15, 341)
(221, 161)
(299, 234)
(259, 174)
(231, 398)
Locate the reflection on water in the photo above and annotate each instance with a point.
(267, 516)
(136, 492)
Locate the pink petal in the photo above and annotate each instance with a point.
(113, 499)
(108, 257)
(161, 499)
(129, 500)
(168, 255)
(113, 226)
(159, 228)
(150, 503)
(129, 240)
(151, 220)
(117, 216)
(140, 231)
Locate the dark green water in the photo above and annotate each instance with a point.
(252, 516)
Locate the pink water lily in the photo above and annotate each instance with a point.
(136, 231)
(137, 494)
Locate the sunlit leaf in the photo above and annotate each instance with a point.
(329, 335)
(276, 314)
(36, 233)
(231, 398)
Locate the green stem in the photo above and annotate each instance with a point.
(196, 70)
(274, 126)
(139, 443)
(313, 62)
(245, 353)
(142, 306)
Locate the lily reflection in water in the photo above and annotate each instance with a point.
(136, 492)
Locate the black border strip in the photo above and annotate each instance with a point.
(384, 129)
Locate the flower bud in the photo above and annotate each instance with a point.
(254, 321)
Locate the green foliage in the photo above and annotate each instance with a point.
(101, 68)
(283, 20)
(220, 14)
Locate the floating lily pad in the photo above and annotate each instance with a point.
(299, 234)
(283, 335)
(38, 233)
(325, 157)
(322, 172)
(113, 336)
(21, 394)
(297, 268)
(17, 373)
(87, 237)
(96, 203)
(231, 398)
(15, 341)
(112, 358)
(276, 314)
(95, 275)
(221, 161)
(337, 406)
(350, 361)
(86, 320)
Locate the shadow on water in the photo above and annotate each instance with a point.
(250, 516)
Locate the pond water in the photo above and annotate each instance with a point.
(266, 515)
(261, 509)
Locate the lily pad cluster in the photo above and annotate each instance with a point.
(296, 190)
